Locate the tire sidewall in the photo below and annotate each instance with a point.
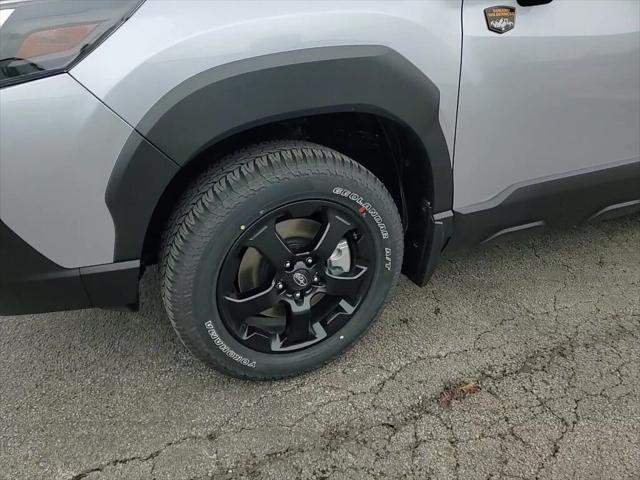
(215, 235)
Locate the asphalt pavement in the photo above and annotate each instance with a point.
(518, 360)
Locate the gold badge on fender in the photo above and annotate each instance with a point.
(500, 19)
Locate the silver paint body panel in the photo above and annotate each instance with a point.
(168, 41)
(58, 146)
(559, 93)
(57, 203)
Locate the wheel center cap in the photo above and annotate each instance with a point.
(299, 280)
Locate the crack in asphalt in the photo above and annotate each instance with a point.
(336, 439)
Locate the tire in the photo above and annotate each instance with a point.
(217, 218)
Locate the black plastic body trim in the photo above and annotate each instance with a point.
(113, 284)
(237, 96)
(140, 176)
(564, 200)
(421, 265)
(31, 283)
(616, 210)
(233, 97)
(533, 3)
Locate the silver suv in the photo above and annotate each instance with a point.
(284, 161)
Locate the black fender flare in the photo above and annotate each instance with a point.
(228, 99)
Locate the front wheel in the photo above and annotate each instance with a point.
(279, 258)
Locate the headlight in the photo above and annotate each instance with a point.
(45, 37)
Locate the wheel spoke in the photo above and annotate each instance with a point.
(243, 308)
(269, 244)
(345, 285)
(298, 327)
(334, 229)
(272, 325)
(302, 210)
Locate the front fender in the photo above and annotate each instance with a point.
(228, 99)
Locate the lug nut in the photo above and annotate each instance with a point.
(309, 261)
(297, 295)
(280, 286)
(287, 264)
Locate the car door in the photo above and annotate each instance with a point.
(549, 104)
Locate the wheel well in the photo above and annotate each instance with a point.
(390, 150)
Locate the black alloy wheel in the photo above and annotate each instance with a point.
(306, 298)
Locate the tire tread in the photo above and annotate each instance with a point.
(233, 180)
